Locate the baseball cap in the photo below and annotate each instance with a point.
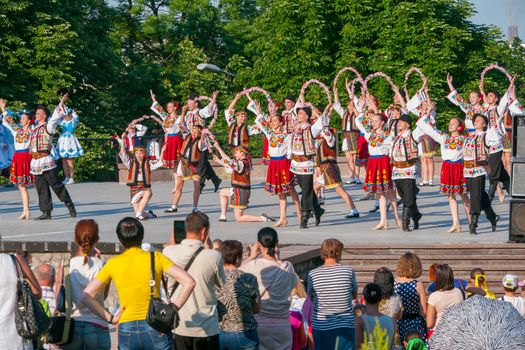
(510, 281)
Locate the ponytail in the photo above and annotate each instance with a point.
(86, 236)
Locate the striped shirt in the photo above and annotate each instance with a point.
(331, 289)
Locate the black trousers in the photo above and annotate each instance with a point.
(497, 171)
(181, 342)
(408, 191)
(43, 182)
(308, 197)
(479, 199)
(205, 169)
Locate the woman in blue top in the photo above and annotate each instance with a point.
(68, 148)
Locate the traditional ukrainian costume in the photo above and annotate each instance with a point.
(67, 144)
(378, 170)
(240, 180)
(326, 160)
(467, 108)
(279, 178)
(133, 141)
(404, 154)
(239, 135)
(350, 131)
(452, 178)
(7, 146)
(191, 151)
(20, 171)
(173, 137)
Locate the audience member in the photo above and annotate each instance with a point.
(300, 317)
(45, 274)
(238, 301)
(458, 283)
(9, 338)
(413, 295)
(217, 244)
(199, 319)
(131, 275)
(90, 331)
(276, 279)
(510, 285)
(446, 295)
(372, 318)
(332, 288)
(478, 284)
(414, 341)
(390, 304)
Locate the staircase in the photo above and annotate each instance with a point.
(495, 259)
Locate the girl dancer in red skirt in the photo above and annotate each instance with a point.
(452, 181)
(19, 171)
(379, 172)
(279, 178)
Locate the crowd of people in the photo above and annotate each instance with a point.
(299, 149)
(229, 297)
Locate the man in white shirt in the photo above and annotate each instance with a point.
(199, 320)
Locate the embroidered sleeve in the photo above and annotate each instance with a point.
(456, 99)
(207, 111)
(262, 123)
(125, 159)
(339, 109)
(58, 114)
(141, 130)
(415, 102)
(230, 118)
(493, 136)
(328, 136)
(360, 126)
(76, 119)
(516, 108)
(424, 125)
(503, 103)
(319, 125)
(157, 109)
(235, 165)
(9, 123)
(253, 130)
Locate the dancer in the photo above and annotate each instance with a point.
(329, 173)
(239, 194)
(289, 115)
(495, 110)
(350, 145)
(188, 169)
(404, 153)
(7, 148)
(43, 165)
(171, 125)
(279, 179)
(475, 159)
(302, 165)
(474, 106)
(139, 178)
(68, 148)
(133, 134)
(379, 173)
(196, 116)
(239, 133)
(452, 178)
(19, 171)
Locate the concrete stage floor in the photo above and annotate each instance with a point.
(107, 203)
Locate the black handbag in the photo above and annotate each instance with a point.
(163, 317)
(62, 325)
(30, 318)
(160, 315)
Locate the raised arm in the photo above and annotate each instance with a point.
(229, 114)
(122, 152)
(58, 114)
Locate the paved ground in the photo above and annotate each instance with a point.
(108, 202)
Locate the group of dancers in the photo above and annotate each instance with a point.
(299, 149)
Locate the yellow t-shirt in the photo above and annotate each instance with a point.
(130, 271)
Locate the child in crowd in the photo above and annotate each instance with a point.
(372, 318)
(301, 317)
(478, 284)
(217, 244)
(414, 341)
(510, 285)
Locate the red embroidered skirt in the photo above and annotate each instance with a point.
(19, 172)
(265, 154)
(362, 151)
(172, 152)
(378, 175)
(452, 180)
(279, 178)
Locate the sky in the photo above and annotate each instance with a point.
(501, 13)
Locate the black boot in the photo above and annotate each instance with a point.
(72, 211)
(318, 213)
(305, 215)
(416, 219)
(492, 190)
(493, 221)
(46, 215)
(216, 183)
(405, 220)
(473, 224)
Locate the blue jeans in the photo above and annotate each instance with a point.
(89, 336)
(138, 335)
(344, 338)
(248, 340)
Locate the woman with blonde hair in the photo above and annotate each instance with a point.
(412, 293)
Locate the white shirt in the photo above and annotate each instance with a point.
(378, 144)
(278, 142)
(517, 302)
(451, 146)
(21, 137)
(398, 154)
(39, 166)
(306, 167)
(80, 275)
